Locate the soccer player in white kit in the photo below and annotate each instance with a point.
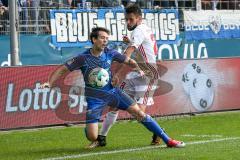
(143, 49)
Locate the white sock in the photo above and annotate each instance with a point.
(110, 119)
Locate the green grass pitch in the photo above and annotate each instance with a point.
(214, 136)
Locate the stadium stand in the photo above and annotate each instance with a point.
(34, 14)
(220, 4)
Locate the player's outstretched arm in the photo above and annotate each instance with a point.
(128, 52)
(130, 49)
(58, 73)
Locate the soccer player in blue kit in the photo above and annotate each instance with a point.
(99, 56)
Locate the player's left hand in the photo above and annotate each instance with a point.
(141, 73)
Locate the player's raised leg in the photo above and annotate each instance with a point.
(153, 126)
(127, 103)
(156, 140)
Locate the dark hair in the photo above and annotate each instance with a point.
(95, 32)
(133, 8)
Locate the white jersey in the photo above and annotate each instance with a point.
(142, 89)
(146, 49)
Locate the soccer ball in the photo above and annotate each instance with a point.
(190, 72)
(98, 77)
(202, 92)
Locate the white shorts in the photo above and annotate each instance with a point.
(139, 88)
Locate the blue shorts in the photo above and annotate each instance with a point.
(99, 100)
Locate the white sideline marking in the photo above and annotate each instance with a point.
(136, 149)
(203, 136)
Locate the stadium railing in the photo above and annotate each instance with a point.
(221, 4)
(37, 20)
(31, 21)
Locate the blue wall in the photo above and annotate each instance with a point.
(35, 50)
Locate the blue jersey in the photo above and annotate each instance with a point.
(98, 98)
(86, 62)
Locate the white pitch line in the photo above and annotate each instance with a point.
(203, 136)
(136, 149)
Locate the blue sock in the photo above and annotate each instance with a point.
(154, 127)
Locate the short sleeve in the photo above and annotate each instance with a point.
(137, 37)
(75, 63)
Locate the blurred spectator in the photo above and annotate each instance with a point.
(56, 3)
(164, 4)
(34, 4)
(30, 15)
(124, 2)
(3, 15)
(220, 4)
(214, 4)
(4, 3)
(150, 4)
(111, 3)
(234, 4)
(105, 3)
(3, 7)
(78, 3)
(131, 2)
(206, 4)
(25, 5)
(73, 3)
(144, 3)
(64, 3)
(141, 3)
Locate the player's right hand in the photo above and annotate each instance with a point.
(45, 85)
(115, 80)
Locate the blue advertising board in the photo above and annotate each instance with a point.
(212, 24)
(71, 28)
(37, 50)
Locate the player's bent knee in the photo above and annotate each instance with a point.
(140, 116)
(142, 107)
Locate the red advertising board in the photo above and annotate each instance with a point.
(184, 86)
